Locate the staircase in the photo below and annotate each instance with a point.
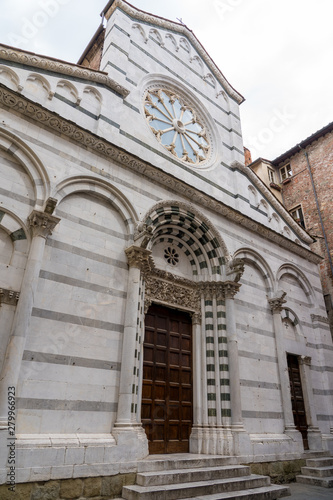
(318, 472)
(204, 478)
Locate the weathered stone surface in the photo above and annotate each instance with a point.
(112, 486)
(45, 491)
(71, 488)
(92, 486)
(22, 492)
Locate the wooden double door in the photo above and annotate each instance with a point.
(167, 380)
(297, 399)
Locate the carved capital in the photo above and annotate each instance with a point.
(235, 269)
(139, 257)
(304, 360)
(230, 289)
(276, 302)
(8, 297)
(42, 224)
(210, 289)
(196, 318)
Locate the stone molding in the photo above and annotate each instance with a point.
(172, 294)
(140, 258)
(212, 289)
(61, 67)
(319, 319)
(273, 200)
(42, 224)
(8, 297)
(180, 29)
(276, 302)
(304, 360)
(235, 269)
(100, 146)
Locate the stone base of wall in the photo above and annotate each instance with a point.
(279, 472)
(95, 488)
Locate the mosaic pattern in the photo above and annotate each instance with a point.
(177, 126)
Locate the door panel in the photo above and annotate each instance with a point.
(167, 380)
(297, 399)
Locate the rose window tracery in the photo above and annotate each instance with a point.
(177, 126)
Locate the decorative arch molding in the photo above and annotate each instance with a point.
(16, 229)
(250, 257)
(102, 189)
(173, 41)
(288, 315)
(12, 76)
(155, 34)
(179, 220)
(300, 277)
(36, 77)
(30, 162)
(141, 31)
(71, 89)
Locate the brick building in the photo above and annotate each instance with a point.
(302, 178)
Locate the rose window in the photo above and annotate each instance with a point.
(177, 126)
(171, 256)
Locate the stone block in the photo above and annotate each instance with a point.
(92, 486)
(112, 486)
(71, 488)
(22, 492)
(46, 491)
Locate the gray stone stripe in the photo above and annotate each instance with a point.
(259, 385)
(325, 418)
(91, 225)
(320, 346)
(257, 356)
(253, 285)
(228, 129)
(76, 320)
(58, 359)
(262, 414)
(63, 404)
(322, 368)
(252, 329)
(66, 280)
(323, 392)
(84, 165)
(17, 197)
(252, 306)
(85, 253)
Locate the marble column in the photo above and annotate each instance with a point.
(137, 258)
(230, 290)
(197, 378)
(41, 226)
(276, 305)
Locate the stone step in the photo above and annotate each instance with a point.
(326, 482)
(191, 475)
(183, 461)
(317, 471)
(195, 489)
(319, 462)
(271, 492)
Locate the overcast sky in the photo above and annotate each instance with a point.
(278, 55)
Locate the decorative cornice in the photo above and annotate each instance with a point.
(140, 258)
(100, 146)
(42, 224)
(319, 319)
(181, 29)
(303, 235)
(61, 67)
(277, 301)
(8, 297)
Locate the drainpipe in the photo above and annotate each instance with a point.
(318, 208)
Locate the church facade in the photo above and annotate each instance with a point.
(155, 296)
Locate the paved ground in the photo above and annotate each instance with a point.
(301, 491)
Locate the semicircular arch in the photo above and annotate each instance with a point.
(299, 276)
(102, 189)
(255, 259)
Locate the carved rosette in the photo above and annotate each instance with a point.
(140, 258)
(42, 224)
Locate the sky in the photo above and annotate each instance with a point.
(277, 54)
